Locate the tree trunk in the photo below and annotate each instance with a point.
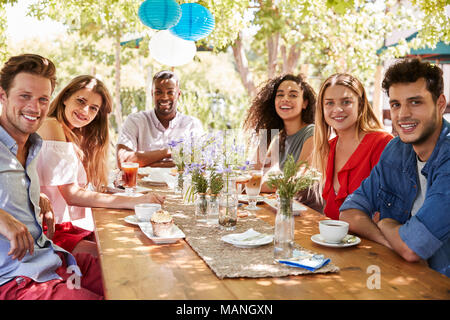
(118, 107)
(148, 89)
(377, 93)
(292, 59)
(272, 49)
(242, 66)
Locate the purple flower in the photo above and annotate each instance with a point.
(174, 143)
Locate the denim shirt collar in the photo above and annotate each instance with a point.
(409, 155)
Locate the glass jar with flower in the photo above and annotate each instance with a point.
(295, 177)
(228, 202)
(215, 187)
(200, 187)
(176, 149)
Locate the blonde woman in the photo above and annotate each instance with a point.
(73, 163)
(347, 159)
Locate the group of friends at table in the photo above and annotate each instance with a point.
(54, 154)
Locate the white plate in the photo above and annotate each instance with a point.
(124, 194)
(147, 229)
(154, 181)
(296, 206)
(244, 198)
(155, 171)
(317, 238)
(248, 239)
(133, 219)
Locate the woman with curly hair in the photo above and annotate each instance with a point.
(72, 166)
(347, 159)
(286, 103)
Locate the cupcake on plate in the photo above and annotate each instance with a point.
(162, 223)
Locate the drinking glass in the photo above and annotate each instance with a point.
(129, 170)
(252, 188)
(241, 179)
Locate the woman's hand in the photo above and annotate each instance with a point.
(151, 198)
(47, 215)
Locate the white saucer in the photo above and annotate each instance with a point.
(133, 219)
(317, 238)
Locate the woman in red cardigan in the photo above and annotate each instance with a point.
(347, 159)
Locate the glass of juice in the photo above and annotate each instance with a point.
(129, 176)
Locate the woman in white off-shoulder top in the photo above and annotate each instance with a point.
(72, 165)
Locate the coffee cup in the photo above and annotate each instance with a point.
(333, 231)
(144, 211)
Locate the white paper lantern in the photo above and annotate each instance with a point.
(171, 50)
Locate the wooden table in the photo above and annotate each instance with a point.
(134, 267)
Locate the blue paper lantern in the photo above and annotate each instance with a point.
(159, 14)
(196, 22)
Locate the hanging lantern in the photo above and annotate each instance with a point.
(196, 22)
(159, 14)
(170, 50)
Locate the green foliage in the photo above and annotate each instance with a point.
(200, 182)
(215, 182)
(289, 182)
(435, 26)
(3, 46)
(332, 36)
(340, 6)
(4, 52)
(132, 98)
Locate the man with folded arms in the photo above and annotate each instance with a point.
(404, 203)
(145, 135)
(31, 266)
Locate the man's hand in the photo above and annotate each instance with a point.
(18, 235)
(47, 215)
(389, 227)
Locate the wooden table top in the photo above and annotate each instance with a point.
(134, 267)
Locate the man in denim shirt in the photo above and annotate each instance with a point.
(31, 266)
(405, 202)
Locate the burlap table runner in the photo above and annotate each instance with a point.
(226, 260)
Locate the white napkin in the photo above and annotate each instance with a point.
(249, 237)
(303, 259)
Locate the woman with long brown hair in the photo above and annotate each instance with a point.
(73, 162)
(347, 159)
(285, 103)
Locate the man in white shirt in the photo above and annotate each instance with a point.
(145, 135)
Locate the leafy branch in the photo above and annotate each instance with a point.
(199, 180)
(291, 180)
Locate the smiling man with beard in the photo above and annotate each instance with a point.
(145, 135)
(410, 185)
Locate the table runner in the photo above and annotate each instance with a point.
(226, 260)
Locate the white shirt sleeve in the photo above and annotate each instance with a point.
(129, 133)
(57, 163)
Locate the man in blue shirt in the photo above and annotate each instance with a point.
(404, 203)
(31, 266)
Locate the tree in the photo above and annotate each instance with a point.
(329, 36)
(96, 20)
(3, 24)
